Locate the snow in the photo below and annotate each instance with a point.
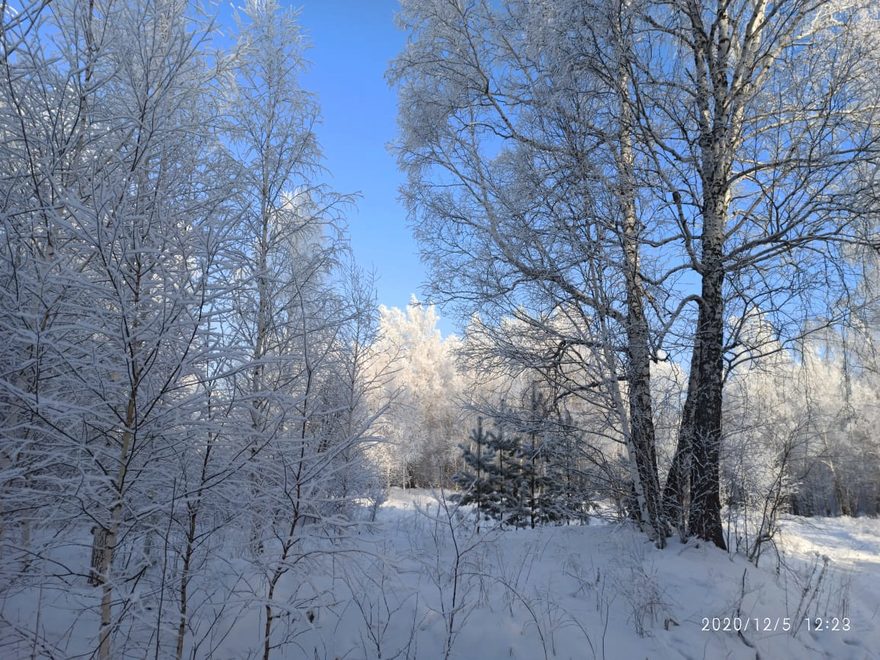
(578, 591)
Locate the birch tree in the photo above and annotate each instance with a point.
(525, 189)
(301, 370)
(122, 223)
(275, 155)
(762, 119)
(148, 272)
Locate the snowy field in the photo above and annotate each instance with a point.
(423, 584)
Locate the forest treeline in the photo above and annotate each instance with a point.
(657, 222)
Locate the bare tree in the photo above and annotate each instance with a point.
(759, 116)
(544, 135)
(179, 338)
(114, 119)
(524, 187)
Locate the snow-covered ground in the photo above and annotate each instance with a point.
(424, 584)
(604, 591)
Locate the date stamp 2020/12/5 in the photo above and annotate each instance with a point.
(775, 624)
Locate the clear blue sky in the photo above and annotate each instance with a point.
(352, 42)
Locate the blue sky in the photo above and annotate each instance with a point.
(352, 44)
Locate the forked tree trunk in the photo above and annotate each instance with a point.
(676, 491)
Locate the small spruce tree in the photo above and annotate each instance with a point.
(492, 478)
(524, 479)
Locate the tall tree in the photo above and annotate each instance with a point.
(274, 152)
(759, 117)
(125, 233)
(524, 187)
(622, 161)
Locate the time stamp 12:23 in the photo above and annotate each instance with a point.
(772, 624)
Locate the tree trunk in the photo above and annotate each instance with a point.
(107, 537)
(638, 367)
(705, 436)
(720, 115)
(641, 418)
(676, 491)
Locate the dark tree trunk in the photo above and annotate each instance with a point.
(676, 491)
(705, 436)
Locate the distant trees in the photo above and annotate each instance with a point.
(797, 439)
(422, 382)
